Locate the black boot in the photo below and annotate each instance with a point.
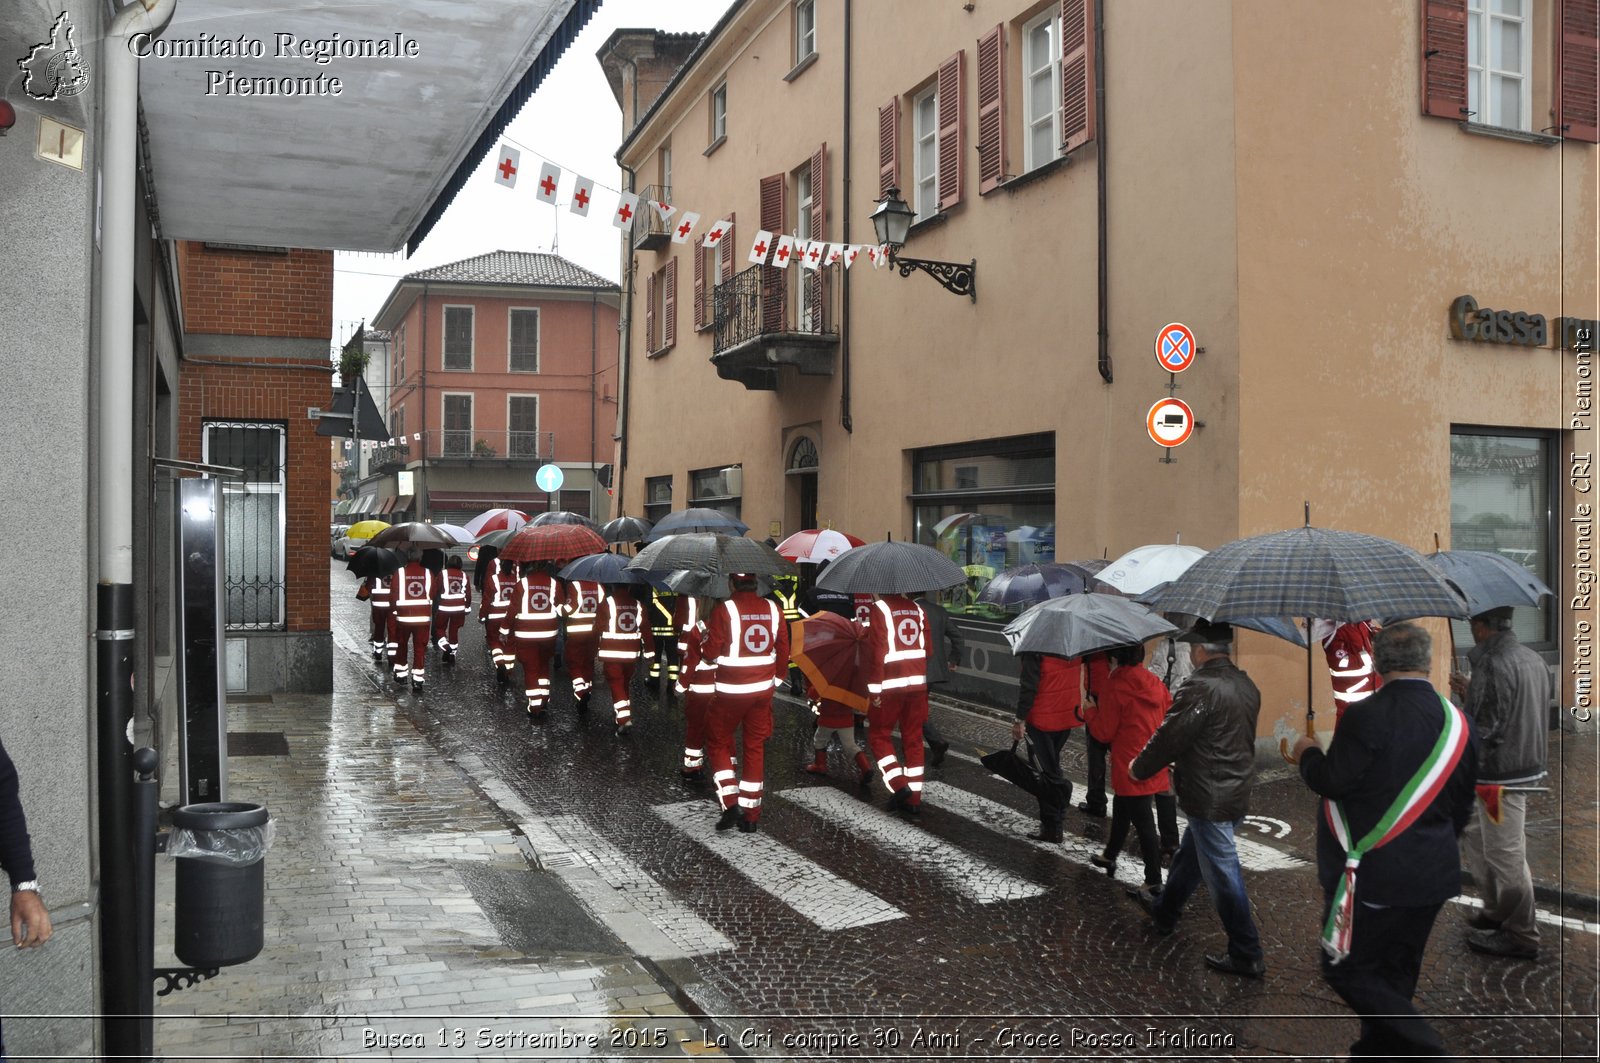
(1049, 831)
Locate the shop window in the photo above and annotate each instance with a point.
(1501, 484)
(253, 521)
(523, 353)
(657, 497)
(458, 338)
(988, 506)
(719, 489)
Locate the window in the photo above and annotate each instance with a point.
(1499, 58)
(805, 30)
(457, 439)
(719, 113)
(719, 489)
(398, 425)
(1041, 90)
(253, 521)
(988, 506)
(661, 308)
(1501, 484)
(664, 163)
(657, 497)
(522, 426)
(925, 152)
(523, 356)
(400, 356)
(458, 337)
(807, 226)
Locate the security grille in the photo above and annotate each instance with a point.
(253, 521)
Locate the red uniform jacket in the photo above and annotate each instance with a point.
(497, 587)
(1129, 705)
(696, 675)
(624, 631)
(380, 593)
(455, 592)
(581, 604)
(896, 656)
(414, 590)
(535, 608)
(748, 641)
(685, 616)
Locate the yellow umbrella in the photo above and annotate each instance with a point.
(365, 529)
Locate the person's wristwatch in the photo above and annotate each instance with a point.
(31, 886)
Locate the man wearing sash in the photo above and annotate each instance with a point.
(1397, 783)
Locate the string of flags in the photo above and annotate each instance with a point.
(767, 249)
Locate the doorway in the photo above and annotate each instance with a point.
(802, 474)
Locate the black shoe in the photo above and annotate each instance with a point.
(1147, 901)
(914, 810)
(937, 750)
(1228, 963)
(900, 799)
(1104, 864)
(502, 676)
(693, 775)
(1479, 921)
(582, 702)
(623, 729)
(416, 685)
(1499, 943)
(747, 826)
(1097, 811)
(729, 817)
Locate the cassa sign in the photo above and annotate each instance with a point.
(1170, 422)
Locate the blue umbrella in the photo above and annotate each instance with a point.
(1030, 584)
(601, 568)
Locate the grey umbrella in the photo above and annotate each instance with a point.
(1489, 580)
(601, 568)
(625, 530)
(712, 555)
(891, 568)
(702, 585)
(696, 520)
(563, 516)
(1083, 623)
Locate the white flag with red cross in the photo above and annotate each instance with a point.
(627, 207)
(549, 177)
(505, 171)
(582, 195)
(784, 252)
(717, 232)
(850, 253)
(812, 252)
(761, 247)
(664, 210)
(686, 223)
(835, 253)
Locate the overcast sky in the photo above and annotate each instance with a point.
(572, 121)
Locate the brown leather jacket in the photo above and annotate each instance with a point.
(1209, 737)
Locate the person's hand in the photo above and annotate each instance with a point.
(1458, 684)
(30, 921)
(1018, 729)
(1303, 743)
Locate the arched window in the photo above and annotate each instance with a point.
(803, 455)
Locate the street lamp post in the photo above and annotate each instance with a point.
(892, 222)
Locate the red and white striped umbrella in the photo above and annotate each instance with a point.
(496, 520)
(815, 546)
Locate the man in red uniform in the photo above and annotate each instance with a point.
(497, 587)
(697, 683)
(380, 595)
(582, 602)
(1348, 648)
(414, 591)
(896, 669)
(528, 631)
(625, 637)
(748, 642)
(455, 598)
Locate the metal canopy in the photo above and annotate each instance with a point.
(368, 169)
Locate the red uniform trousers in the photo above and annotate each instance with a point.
(500, 655)
(535, 656)
(754, 713)
(380, 629)
(907, 709)
(579, 658)
(696, 727)
(447, 626)
(411, 637)
(619, 678)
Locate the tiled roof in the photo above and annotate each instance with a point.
(530, 269)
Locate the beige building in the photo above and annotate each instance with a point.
(1308, 187)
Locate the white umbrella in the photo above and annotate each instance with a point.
(1148, 567)
(462, 535)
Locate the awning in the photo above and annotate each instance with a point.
(343, 507)
(401, 504)
(364, 504)
(388, 504)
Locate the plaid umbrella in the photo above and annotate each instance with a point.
(891, 568)
(625, 530)
(601, 568)
(1031, 584)
(1083, 623)
(827, 650)
(696, 520)
(711, 554)
(414, 533)
(552, 542)
(1489, 580)
(563, 516)
(1140, 569)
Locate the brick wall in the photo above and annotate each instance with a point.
(256, 293)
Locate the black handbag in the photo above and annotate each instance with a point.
(1007, 764)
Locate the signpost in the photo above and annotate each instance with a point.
(549, 479)
(1175, 347)
(1170, 422)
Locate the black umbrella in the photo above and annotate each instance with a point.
(416, 533)
(602, 568)
(704, 585)
(370, 561)
(625, 530)
(1030, 584)
(563, 516)
(1489, 580)
(1077, 624)
(891, 568)
(1017, 769)
(696, 520)
(711, 554)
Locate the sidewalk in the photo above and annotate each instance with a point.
(401, 907)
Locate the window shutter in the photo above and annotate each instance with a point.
(699, 286)
(1444, 59)
(1578, 79)
(772, 286)
(952, 111)
(669, 305)
(729, 249)
(819, 191)
(991, 109)
(650, 344)
(1077, 74)
(888, 147)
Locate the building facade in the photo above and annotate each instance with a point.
(1312, 214)
(500, 364)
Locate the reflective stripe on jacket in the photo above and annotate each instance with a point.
(685, 617)
(749, 644)
(581, 604)
(623, 635)
(535, 605)
(897, 651)
(455, 592)
(413, 595)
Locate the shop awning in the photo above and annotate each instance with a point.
(401, 504)
(364, 504)
(343, 507)
(388, 504)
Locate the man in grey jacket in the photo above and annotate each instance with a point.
(1209, 737)
(1508, 698)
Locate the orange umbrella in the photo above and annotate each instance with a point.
(826, 648)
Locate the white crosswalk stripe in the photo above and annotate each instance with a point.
(813, 891)
(968, 875)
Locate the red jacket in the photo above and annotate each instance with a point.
(380, 592)
(497, 587)
(535, 609)
(748, 640)
(580, 606)
(1130, 704)
(696, 675)
(1349, 652)
(1052, 688)
(896, 656)
(624, 630)
(414, 590)
(685, 616)
(455, 591)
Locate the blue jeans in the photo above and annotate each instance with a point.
(1207, 855)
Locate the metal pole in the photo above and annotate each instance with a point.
(144, 864)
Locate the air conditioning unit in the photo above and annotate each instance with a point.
(733, 477)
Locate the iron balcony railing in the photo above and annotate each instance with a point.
(763, 301)
(649, 231)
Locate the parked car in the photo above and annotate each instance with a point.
(341, 544)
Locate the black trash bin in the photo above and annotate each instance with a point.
(219, 899)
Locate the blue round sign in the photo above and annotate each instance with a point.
(549, 478)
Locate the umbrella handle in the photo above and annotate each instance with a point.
(1283, 748)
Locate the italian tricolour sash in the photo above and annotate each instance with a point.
(1410, 803)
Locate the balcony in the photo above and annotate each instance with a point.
(649, 231)
(762, 324)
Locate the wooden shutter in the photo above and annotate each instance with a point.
(991, 109)
(650, 344)
(730, 247)
(888, 147)
(699, 286)
(1578, 71)
(669, 305)
(772, 286)
(952, 111)
(1077, 74)
(819, 190)
(1444, 59)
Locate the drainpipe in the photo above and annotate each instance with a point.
(594, 340)
(420, 487)
(124, 988)
(1100, 186)
(624, 393)
(844, 298)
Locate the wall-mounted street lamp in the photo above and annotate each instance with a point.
(892, 221)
